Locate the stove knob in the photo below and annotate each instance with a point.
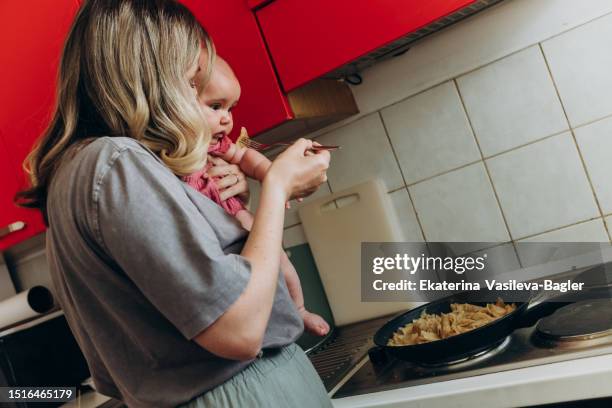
(378, 355)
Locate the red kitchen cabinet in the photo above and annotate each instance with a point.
(264, 106)
(234, 30)
(32, 35)
(253, 4)
(310, 38)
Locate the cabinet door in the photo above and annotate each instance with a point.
(309, 38)
(237, 38)
(33, 33)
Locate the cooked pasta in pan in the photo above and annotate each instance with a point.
(463, 317)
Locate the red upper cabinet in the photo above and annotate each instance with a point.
(310, 38)
(32, 38)
(33, 34)
(237, 38)
(32, 41)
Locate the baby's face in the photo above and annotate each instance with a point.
(218, 99)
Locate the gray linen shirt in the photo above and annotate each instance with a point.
(142, 263)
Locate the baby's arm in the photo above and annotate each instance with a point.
(251, 162)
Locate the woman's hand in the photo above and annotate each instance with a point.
(299, 171)
(233, 181)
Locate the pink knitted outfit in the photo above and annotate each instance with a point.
(208, 186)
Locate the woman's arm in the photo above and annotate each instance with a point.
(238, 333)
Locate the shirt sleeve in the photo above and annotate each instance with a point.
(158, 238)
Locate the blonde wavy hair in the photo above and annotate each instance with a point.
(122, 73)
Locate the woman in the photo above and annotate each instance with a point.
(168, 298)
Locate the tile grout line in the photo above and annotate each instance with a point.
(416, 213)
(396, 190)
(483, 158)
(487, 158)
(537, 43)
(559, 228)
(445, 172)
(541, 139)
(590, 122)
(609, 13)
(490, 178)
(582, 161)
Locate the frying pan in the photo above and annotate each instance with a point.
(526, 314)
(458, 346)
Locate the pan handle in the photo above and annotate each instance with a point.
(541, 299)
(378, 356)
(538, 298)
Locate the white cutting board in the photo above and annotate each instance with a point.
(335, 226)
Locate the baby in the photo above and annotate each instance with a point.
(217, 99)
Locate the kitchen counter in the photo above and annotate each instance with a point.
(571, 380)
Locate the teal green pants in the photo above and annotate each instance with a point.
(285, 379)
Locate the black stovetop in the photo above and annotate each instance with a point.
(523, 348)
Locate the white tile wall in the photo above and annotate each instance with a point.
(512, 102)
(430, 133)
(500, 259)
(581, 61)
(365, 153)
(495, 33)
(595, 142)
(406, 215)
(521, 68)
(590, 231)
(459, 206)
(542, 186)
